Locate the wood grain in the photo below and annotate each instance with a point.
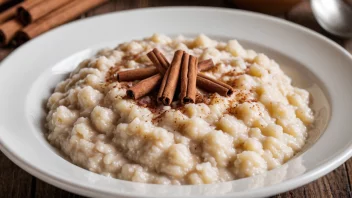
(334, 184)
(44, 190)
(14, 182)
(348, 166)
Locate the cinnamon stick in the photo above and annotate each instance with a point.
(164, 62)
(136, 74)
(188, 79)
(159, 60)
(58, 17)
(212, 85)
(30, 3)
(143, 87)
(28, 14)
(9, 13)
(3, 2)
(170, 79)
(205, 65)
(8, 31)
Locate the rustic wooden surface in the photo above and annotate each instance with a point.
(14, 182)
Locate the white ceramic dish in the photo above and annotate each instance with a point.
(315, 63)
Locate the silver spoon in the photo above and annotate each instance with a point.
(335, 16)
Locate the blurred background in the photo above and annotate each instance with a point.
(332, 18)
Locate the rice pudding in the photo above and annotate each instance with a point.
(218, 138)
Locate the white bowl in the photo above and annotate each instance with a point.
(28, 75)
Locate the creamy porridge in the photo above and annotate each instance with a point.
(217, 138)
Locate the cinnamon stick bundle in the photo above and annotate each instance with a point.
(28, 14)
(202, 66)
(183, 67)
(188, 79)
(136, 74)
(9, 29)
(58, 17)
(170, 80)
(211, 85)
(143, 87)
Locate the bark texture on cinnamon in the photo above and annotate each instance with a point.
(211, 85)
(58, 17)
(164, 62)
(30, 3)
(159, 60)
(8, 31)
(136, 74)
(205, 65)
(170, 80)
(31, 14)
(143, 87)
(188, 79)
(9, 13)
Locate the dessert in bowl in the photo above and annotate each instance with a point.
(178, 111)
(313, 62)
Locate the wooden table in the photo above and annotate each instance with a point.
(14, 182)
